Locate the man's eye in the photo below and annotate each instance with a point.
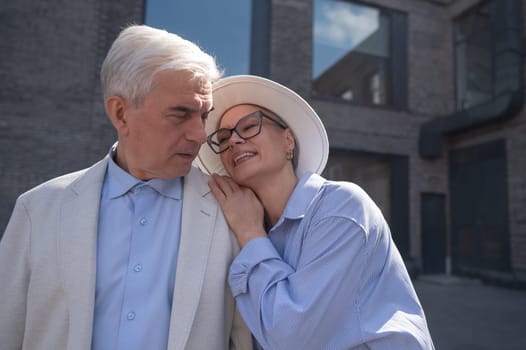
(177, 117)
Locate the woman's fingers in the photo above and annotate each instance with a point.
(222, 188)
(216, 190)
(225, 184)
(242, 209)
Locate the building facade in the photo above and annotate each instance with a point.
(52, 118)
(422, 101)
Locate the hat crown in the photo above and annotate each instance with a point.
(308, 129)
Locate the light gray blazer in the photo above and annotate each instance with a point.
(47, 268)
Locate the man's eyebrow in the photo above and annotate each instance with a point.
(185, 109)
(178, 109)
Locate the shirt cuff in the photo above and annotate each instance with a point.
(253, 253)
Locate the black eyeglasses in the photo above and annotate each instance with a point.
(247, 127)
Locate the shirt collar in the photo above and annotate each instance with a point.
(172, 188)
(304, 193)
(121, 182)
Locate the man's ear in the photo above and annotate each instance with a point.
(116, 107)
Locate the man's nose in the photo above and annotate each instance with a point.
(196, 131)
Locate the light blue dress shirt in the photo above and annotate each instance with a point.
(328, 277)
(137, 249)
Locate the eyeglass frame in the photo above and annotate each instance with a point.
(260, 114)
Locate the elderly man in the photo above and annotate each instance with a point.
(133, 252)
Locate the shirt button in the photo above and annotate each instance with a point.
(130, 316)
(143, 221)
(137, 268)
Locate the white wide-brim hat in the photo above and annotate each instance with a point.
(311, 138)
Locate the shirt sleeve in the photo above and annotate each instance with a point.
(289, 308)
(256, 252)
(349, 288)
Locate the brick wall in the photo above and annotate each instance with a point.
(431, 93)
(52, 118)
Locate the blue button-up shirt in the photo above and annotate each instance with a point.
(328, 277)
(137, 249)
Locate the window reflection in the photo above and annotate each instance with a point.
(221, 28)
(474, 65)
(372, 172)
(351, 58)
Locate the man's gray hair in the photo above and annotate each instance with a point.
(140, 52)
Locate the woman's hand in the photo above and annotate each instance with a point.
(241, 207)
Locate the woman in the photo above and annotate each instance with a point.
(318, 268)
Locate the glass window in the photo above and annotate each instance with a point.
(352, 52)
(474, 61)
(385, 178)
(369, 171)
(221, 28)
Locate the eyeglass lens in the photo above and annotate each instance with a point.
(246, 128)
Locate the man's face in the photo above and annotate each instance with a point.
(163, 135)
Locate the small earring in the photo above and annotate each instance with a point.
(290, 154)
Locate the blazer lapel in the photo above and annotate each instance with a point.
(198, 217)
(78, 250)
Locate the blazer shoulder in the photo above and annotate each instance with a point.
(198, 180)
(65, 181)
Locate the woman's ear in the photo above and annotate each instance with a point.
(289, 138)
(116, 108)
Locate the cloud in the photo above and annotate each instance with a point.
(343, 25)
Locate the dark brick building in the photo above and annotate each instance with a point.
(425, 111)
(52, 118)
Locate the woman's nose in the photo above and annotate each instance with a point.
(235, 138)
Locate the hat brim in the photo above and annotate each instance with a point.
(308, 129)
